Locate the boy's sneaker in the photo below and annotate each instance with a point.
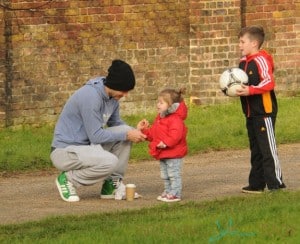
(162, 196)
(282, 186)
(251, 190)
(171, 198)
(66, 189)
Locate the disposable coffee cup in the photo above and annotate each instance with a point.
(130, 191)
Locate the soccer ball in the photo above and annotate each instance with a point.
(232, 79)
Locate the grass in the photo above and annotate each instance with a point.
(24, 149)
(267, 218)
(215, 127)
(287, 128)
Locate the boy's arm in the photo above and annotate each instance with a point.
(266, 77)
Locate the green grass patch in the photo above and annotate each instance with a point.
(287, 125)
(25, 148)
(215, 127)
(267, 218)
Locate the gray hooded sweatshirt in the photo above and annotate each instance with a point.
(85, 115)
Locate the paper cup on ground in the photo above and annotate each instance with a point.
(130, 191)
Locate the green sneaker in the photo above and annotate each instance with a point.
(66, 189)
(108, 189)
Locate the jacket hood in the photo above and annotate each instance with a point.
(97, 84)
(182, 110)
(176, 108)
(263, 53)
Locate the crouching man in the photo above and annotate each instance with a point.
(91, 143)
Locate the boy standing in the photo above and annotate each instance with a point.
(259, 105)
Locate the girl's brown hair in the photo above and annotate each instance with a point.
(172, 96)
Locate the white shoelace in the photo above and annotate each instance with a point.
(117, 183)
(71, 188)
(120, 192)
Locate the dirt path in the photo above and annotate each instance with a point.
(206, 176)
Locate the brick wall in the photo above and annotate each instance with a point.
(50, 48)
(213, 45)
(281, 19)
(58, 47)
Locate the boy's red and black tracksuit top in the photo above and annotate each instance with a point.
(260, 109)
(262, 100)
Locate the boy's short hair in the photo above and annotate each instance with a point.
(255, 33)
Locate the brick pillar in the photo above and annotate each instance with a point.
(2, 71)
(6, 73)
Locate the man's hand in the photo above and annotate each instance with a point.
(136, 136)
(243, 91)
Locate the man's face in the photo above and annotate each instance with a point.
(117, 94)
(247, 46)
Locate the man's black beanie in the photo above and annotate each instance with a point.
(120, 76)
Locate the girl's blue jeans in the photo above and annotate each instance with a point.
(170, 172)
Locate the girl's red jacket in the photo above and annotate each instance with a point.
(172, 131)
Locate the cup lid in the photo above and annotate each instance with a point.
(130, 185)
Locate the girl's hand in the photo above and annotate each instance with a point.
(161, 145)
(143, 124)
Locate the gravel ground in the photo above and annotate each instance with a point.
(206, 176)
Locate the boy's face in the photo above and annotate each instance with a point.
(247, 45)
